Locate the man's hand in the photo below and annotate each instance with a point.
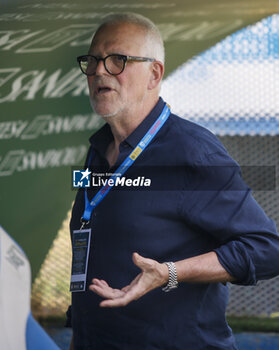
(153, 275)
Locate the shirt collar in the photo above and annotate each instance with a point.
(102, 138)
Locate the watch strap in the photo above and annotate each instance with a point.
(172, 282)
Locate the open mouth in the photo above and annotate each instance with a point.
(103, 90)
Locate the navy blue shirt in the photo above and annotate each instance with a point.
(198, 203)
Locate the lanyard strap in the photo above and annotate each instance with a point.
(148, 137)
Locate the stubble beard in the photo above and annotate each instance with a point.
(107, 115)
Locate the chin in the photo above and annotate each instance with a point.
(109, 115)
(103, 112)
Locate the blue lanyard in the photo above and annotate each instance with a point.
(90, 205)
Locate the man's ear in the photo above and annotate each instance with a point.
(157, 70)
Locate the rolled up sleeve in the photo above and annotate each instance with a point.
(222, 206)
(250, 244)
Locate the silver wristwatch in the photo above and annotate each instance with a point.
(172, 282)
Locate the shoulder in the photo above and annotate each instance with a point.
(195, 142)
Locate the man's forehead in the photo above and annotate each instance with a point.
(120, 26)
(118, 35)
(119, 30)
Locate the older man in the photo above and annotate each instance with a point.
(206, 231)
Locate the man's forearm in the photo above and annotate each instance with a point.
(203, 268)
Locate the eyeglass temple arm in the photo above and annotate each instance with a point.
(140, 59)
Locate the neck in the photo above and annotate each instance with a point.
(123, 125)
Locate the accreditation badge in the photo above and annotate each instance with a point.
(80, 245)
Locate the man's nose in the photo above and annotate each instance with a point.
(100, 69)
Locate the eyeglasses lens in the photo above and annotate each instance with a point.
(88, 65)
(114, 64)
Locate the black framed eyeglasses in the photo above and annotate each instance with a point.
(114, 64)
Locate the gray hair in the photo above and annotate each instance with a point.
(155, 42)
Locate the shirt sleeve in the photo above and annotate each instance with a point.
(222, 205)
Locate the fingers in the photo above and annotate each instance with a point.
(115, 302)
(99, 282)
(101, 288)
(133, 294)
(117, 297)
(142, 284)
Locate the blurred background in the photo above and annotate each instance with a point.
(222, 71)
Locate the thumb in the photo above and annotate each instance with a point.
(140, 261)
